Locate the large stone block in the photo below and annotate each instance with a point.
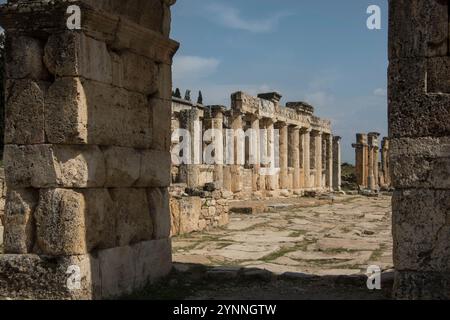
(122, 165)
(190, 211)
(129, 268)
(133, 219)
(110, 273)
(418, 28)
(35, 277)
(82, 111)
(414, 111)
(24, 58)
(45, 166)
(420, 162)
(61, 223)
(24, 112)
(411, 285)
(162, 114)
(19, 221)
(148, 14)
(135, 72)
(66, 112)
(155, 169)
(73, 54)
(159, 210)
(421, 230)
(71, 222)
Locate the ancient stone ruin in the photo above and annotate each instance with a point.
(306, 153)
(87, 159)
(371, 174)
(419, 125)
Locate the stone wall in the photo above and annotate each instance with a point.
(419, 125)
(87, 159)
(198, 211)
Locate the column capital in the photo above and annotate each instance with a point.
(337, 138)
(305, 130)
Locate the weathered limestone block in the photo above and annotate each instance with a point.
(161, 110)
(61, 222)
(158, 199)
(126, 269)
(44, 166)
(19, 221)
(24, 58)
(72, 222)
(24, 112)
(113, 116)
(155, 169)
(109, 273)
(418, 28)
(411, 285)
(73, 54)
(421, 230)
(190, 209)
(34, 277)
(149, 14)
(122, 166)
(135, 72)
(421, 162)
(412, 111)
(438, 75)
(133, 219)
(85, 166)
(66, 114)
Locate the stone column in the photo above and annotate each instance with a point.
(272, 175)
(284, 183)
(190, 120)
(87, 156)
(217, 113)
(419, 129)
(294, 149)
(317, 138)
(329, 162)
(376, 160)
(373, 161)
(256, 153)
(239, 152)
(306, 158)
(361, 159)
(337, 174)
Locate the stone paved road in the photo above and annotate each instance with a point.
(340, 238)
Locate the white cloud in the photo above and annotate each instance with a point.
(380, 92)
(193, 67)
(319, 99)
(231, 17)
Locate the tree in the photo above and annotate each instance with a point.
(200, 98)
(187, 95)
(177, 93)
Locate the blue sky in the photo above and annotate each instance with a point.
(319, 51)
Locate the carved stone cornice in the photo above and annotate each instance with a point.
(41, 18)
